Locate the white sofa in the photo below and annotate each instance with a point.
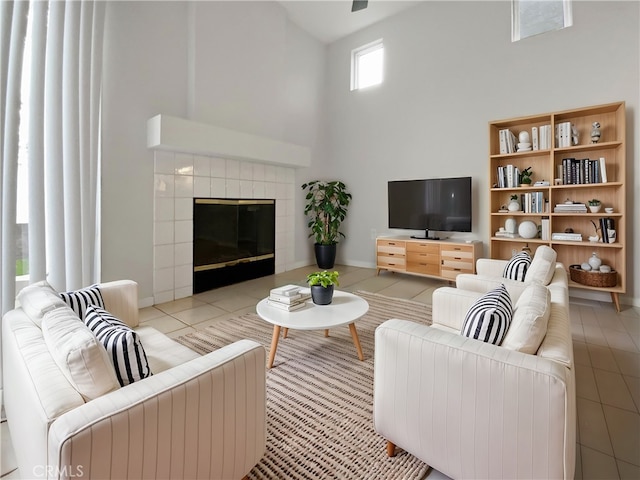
(195, 417)
(472, 409)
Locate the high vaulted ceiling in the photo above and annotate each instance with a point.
(330, 20)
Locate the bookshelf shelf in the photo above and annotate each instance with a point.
(574, 165)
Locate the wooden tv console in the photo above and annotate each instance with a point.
(444, 259)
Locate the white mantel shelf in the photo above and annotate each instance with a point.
(180, 135)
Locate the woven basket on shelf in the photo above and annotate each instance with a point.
(593, 279)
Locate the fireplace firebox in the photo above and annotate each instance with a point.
(233, 241)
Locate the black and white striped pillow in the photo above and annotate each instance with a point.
(122, 343)
(489, 317)
(79, 300)
(517, 267)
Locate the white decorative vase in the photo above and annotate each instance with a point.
(595, 261)
(528, 229)
(513, 206)
(510, 225)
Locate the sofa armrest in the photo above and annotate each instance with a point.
(471, 409)
(121, 299)
(202, 419)
(450, 306)
(490, 266)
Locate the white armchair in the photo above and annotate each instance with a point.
(489, 274)
(472, 409)
(195, 417)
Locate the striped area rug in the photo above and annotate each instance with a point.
(320, 397)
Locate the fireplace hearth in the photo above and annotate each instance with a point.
(233, 241)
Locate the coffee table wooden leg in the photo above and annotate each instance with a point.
(356, 340)
(274, 345)
(326, 332)
(285, 332)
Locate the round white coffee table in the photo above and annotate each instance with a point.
(345, 309)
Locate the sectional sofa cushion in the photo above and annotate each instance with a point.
(122, 343)
(37, 299)
(542, 266)
(79, 300)
(529, 321)
(517, 267)
(489, 317)
(78, 354)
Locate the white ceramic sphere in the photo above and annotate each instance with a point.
(528, 229)
(523, 137)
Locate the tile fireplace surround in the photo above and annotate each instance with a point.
(178, 178)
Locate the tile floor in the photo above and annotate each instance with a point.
(606, 349)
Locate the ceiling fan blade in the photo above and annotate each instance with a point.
(359, 5)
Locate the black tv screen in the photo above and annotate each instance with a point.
(440, 204)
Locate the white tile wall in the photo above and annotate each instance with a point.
(178, 178)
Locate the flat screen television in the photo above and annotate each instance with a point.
(436, 204)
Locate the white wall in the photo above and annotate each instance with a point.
(238, 65)
(450, 68)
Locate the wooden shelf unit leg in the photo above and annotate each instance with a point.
(615, 298)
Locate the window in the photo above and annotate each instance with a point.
(532, 17)
(366, 65)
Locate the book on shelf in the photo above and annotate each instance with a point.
(508, 176)
(544, 228)
(532, 202)
(286, 307)
(570, 237)
(544, 137)
(504, 234)
(603, 170)
(563, 134)
(580, 171)
(507, 141)
(534, 138)
(570, 208)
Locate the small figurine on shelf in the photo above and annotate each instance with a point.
(595, 132)
(525, 177)
(596, 237)
(574, 135)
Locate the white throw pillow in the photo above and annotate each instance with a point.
(530, 320)
(79, 300)
(38, 299)
(489, 317)
(542, 266)
(77, 352)
(122, 343)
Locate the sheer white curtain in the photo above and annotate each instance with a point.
(63, 61)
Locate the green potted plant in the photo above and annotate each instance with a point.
(326, 208)
(322, 286)
(594, 205)
(525, 177)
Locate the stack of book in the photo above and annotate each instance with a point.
(289, 297)
(570, 237)
(505, 234)
(570, 208)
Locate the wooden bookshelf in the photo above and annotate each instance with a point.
(546, 165)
